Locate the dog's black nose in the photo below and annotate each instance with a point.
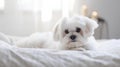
(72, 37)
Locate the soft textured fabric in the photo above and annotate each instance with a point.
(11, 56)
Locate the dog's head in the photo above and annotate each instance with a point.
(74, 30)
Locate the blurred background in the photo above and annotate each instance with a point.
(24, 17)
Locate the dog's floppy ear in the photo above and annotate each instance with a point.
(91, 25)
(57, 31)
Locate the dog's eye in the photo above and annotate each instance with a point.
(78, 30)
(66, 31)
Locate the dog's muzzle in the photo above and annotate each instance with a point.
(73, 38)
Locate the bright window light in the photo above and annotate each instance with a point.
(26, 5)
(46, 7)
(2, 4)
(46, 15)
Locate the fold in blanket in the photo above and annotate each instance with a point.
(11, 56)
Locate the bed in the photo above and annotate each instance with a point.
(107, 56)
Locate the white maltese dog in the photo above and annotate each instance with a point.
(69, 33)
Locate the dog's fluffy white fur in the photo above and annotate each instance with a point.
(69, 33)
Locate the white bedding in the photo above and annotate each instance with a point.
(29, 57)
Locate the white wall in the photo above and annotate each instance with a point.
(13, 22)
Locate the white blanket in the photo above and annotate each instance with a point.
(32, 57)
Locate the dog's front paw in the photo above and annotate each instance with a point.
(79, 49)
